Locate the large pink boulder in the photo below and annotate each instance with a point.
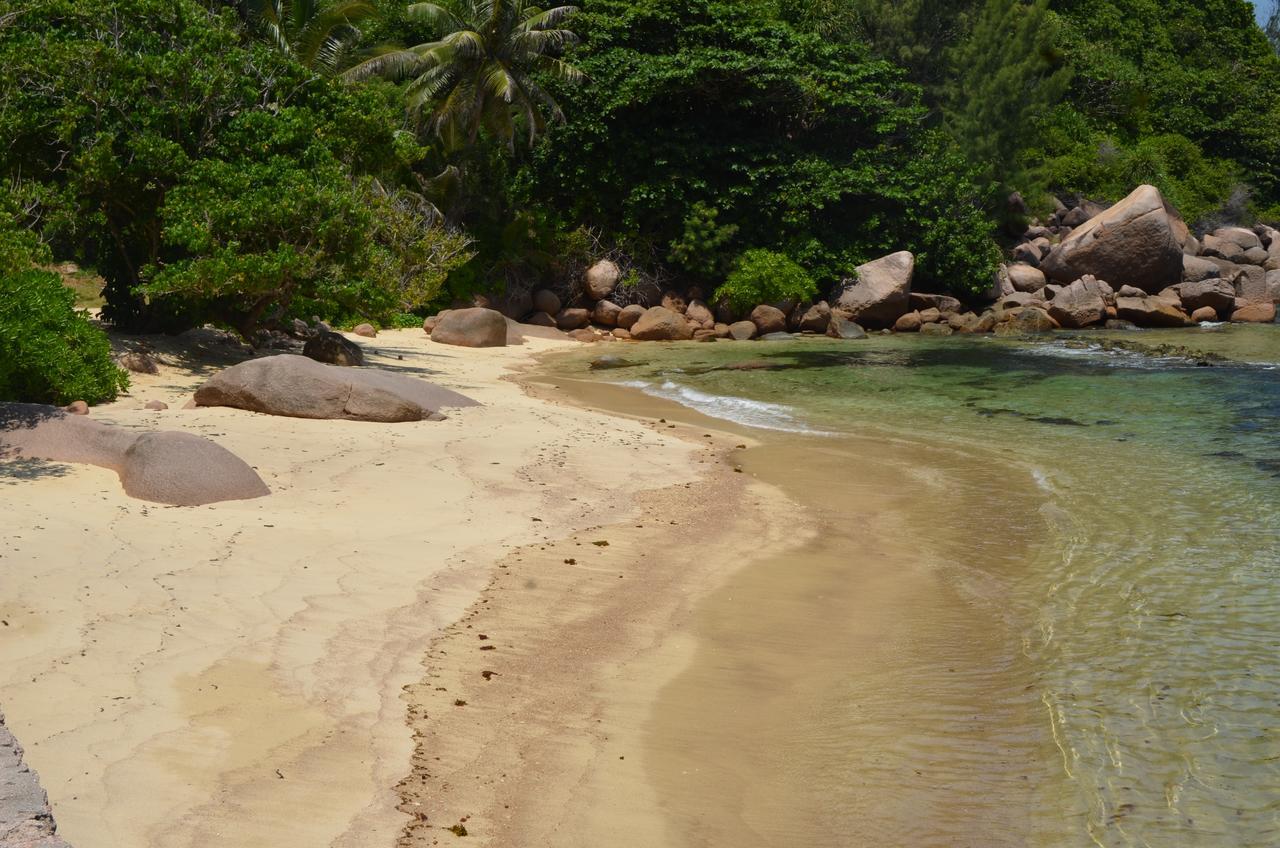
(474, 327)
(1134, 242)
(629, 315)
(768, 319)
(881, 293)
(297, 387)
(1151, 312)
(601, 279)
(659, 324)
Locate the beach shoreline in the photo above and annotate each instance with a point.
(532, 718)
(182, 677)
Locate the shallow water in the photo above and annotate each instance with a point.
(1085, 648)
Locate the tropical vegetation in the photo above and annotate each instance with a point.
(247, 162)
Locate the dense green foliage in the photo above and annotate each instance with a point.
(250, 161)
(1007, 74)
(733, 130)
(1200, 69)
(1179, 93)
(762, 276)
(204, 175)
(49, 353)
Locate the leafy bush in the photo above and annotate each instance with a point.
(763, 276)
(49, 353)
(19, 247)
(211, 177)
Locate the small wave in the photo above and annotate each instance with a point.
(751, 413)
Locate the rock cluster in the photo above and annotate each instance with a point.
(1140, 262)
(1135, 262)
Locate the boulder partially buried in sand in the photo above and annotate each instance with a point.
(297, 387)
(179, 469)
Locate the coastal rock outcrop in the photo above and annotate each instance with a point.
(601, 279)
(659, 324)
(1079, 305)
(297, 387)
(814, 319)
(629, 315)
(573, 319)
(841, 327)
(1134, 242)
(333, 349)
(474, 327)
(179, 469)
(547, 301)
(1215, 294)
(1254, 313)
(1025, 278)
(1151, 312)
(26, 821)
(881, 292)
(768, 319)
(183, 469)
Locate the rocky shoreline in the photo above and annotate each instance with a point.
(1132, 265)
(26, 820)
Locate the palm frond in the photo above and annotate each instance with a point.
(560, 69)
(434, 14)
(529, 45)
(391, 62)
(539, 19)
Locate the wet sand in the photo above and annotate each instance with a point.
(764, 698)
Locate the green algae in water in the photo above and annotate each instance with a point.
(1149, 614)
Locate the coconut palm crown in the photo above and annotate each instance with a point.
(480, 71)
(311, 32)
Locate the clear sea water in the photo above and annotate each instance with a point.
(1105, 527)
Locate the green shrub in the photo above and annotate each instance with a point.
(49, 353)
(762, 276)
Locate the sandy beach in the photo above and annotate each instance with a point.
(252, 672)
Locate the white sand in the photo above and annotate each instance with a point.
(232, 674)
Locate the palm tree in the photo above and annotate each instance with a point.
(314, 34)
(479, 73)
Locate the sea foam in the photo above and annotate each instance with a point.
(750, 413)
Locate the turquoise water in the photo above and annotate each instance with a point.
(1135, 670)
